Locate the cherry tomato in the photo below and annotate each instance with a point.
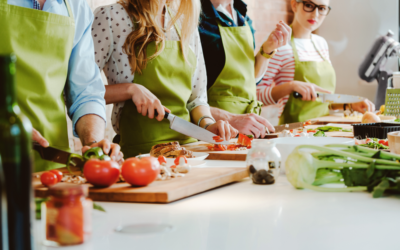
(140, 172)
(178, 159)
(161, 159)
(58, 173)
(101, 173)
(48, 179)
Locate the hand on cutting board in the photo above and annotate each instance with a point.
(37, 137)
(307, 90)
(146, 102)
(363, 106)
(223, 129)
(278, 37)
(251, 124)
(107, 146)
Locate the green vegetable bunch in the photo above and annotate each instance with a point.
(320, 134)
(333, 129)
(358, 168)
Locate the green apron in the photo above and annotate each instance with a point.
(42, 42)
(234, 90)
(169, 77)
(319, 73)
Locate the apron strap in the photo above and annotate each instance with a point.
(178, 30)
(70, 14)
(295, 53)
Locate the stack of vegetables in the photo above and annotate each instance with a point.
(355, 168)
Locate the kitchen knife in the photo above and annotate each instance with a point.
(189, 129)
(288, 126)
(58, 156)
(334, 98)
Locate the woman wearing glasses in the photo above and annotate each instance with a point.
(303, 66)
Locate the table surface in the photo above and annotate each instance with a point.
(248, 216)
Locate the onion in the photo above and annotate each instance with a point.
(369, 117)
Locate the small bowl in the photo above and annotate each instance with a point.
(394, 142)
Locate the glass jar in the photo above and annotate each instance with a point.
(67, 215)
(263, 162)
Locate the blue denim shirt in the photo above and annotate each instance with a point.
(214, 54)
(85, 89)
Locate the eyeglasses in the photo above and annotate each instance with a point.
(309, 6)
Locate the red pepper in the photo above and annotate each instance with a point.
(219, 140)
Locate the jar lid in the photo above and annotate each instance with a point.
(64, 189)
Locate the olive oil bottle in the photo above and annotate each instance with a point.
(15, 150)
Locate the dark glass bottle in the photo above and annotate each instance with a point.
(3, 212)
(15, 149)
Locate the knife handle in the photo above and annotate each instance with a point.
(298, 95)
(165, 115)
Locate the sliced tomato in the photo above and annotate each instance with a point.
(291, 131)
(312, 131)
(161, 159)
(221, 147)
(216, 137)
(368, 140)
(219, 140)
(178, 159)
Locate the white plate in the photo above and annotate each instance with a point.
(199, 157)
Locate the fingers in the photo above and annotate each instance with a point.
(313, 93)
(265, 122)
(85, 148)
(234, 132)
(221, 130)
(285, 32)
(255, 131)
(36, 136)
(169, 111)
(161, 112)
(227, 129)
(116, 154)
(105, 145)
(322, 90)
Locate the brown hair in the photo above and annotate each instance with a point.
(144, 14)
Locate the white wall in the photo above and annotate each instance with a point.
(350, 29)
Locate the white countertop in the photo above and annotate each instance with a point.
(248, 216)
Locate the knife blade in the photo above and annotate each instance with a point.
(335, 98)
(58, 156)
(187, 128)
(288, 126)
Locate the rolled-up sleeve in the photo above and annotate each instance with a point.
(84, 89)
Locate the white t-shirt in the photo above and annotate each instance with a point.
(281, 67)
(110, 28)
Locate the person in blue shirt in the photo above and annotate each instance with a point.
(55, 58)
(233, 68)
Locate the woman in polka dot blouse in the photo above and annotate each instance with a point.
(151, 54)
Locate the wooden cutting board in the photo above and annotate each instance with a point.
(218, 155)
(335, 119)
(196, 181)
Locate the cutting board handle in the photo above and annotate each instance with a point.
(298, 95)
(165, 115)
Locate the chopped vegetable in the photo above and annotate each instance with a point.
(333, 129)
(357, 168)
(320, 134)
(177, 160)
(245, 140)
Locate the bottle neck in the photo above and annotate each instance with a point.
(8, 99)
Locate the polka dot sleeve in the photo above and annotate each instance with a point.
(102, 36)
(199, 79)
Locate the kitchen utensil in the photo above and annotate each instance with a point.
(198, 157)
(286, 145)
(228, 155)
(392, 104)
(374, 130)
(288, 126)
(59, 156)
(394, 142)
(189, 129)
(334, 98)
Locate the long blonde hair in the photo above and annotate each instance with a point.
(144, 14)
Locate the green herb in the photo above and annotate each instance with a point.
(374, 144)
(397, 120)
(333, 129)
(358, 168)
(250, 136)
(39, 201)
(320, 134)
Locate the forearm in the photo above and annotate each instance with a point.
(282, 90)
(90, 128)
(261, 65)
(199, 112)
(119, 92)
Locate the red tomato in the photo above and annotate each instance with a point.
(161, 159)
(101, 173)
(177, 160)
(58, 173)
(48, 179)
(368, 140)
(140, 172)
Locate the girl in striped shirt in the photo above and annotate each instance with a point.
(304, 68)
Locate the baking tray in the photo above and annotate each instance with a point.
(374, 130)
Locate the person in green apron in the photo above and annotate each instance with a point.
(233, 69)
(159, 67)
(54, 51)
(313, 72)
